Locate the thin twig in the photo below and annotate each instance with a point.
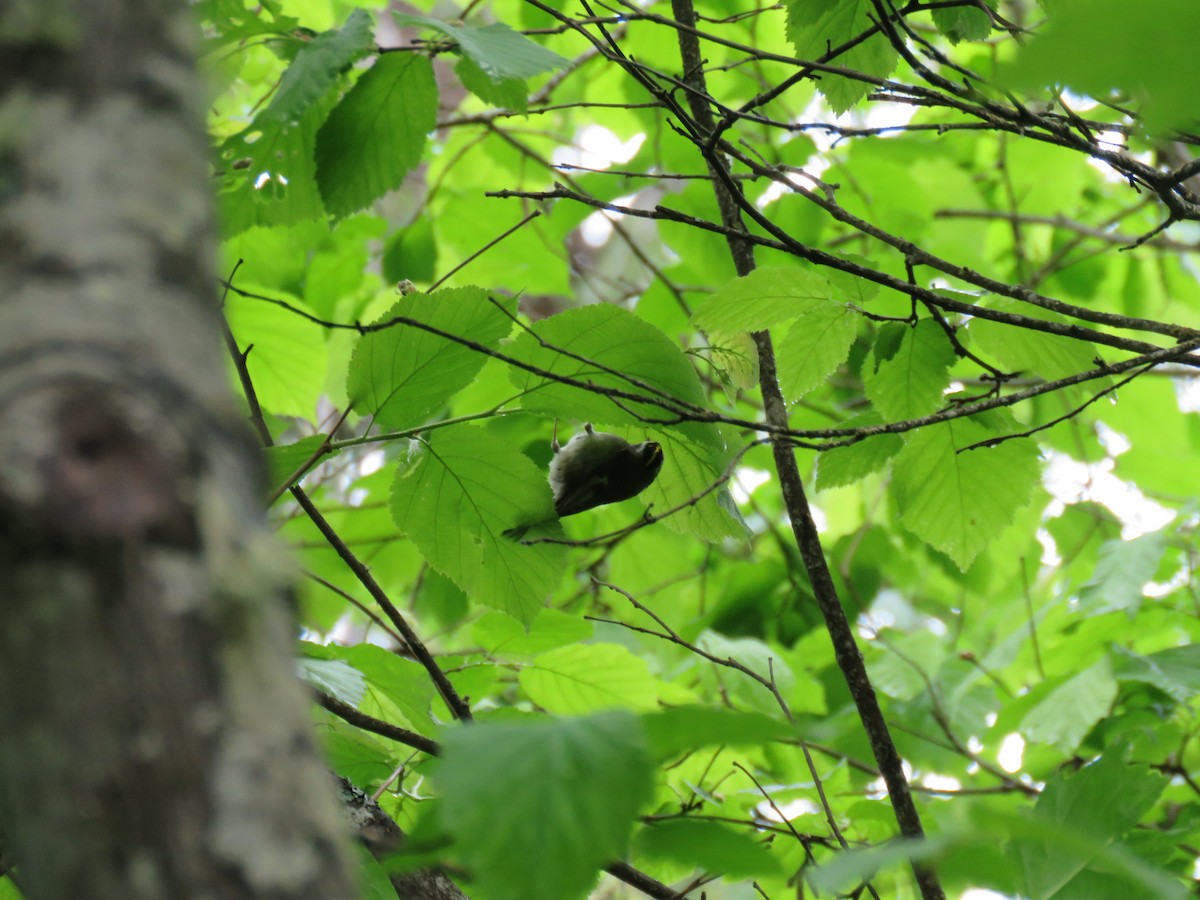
(458, 708)
(348, 713)
(484, 249)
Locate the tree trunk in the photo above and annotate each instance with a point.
(154, 741)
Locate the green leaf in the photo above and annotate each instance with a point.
(891, 667)
(1122, 570)
(584, 678)
(852, 868)
(846, 465)
(373, 876)
(1096, 47)
(1025, 350)
(334, 677)
(498, 50)
(411, 253)
(441, 599)
(910, 381)
(851, 288)
(561, 792)
(376, 134)
(960, 502)
(475, 680)
(709, 846)
(283, 460)
(1065, 716)
(758, 657)
(501, 635)
(816, 344)
(335, 273)
(267, 174)
(608, 348)
(504, 93)
(354, 754)
(963, 23)
(1175, 670)
(676, 730)
(402, 374)
(816, 26)
(316, 69)
(287, 354)
(460, 491)
(1100, 804)
(735, 356)
(1147, 410)
(688, 470)
(765, 297)
(1066, 847)
(398, 687)
(232, 22)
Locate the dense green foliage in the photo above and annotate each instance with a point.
(946, 211)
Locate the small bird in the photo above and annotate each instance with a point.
(594, 468)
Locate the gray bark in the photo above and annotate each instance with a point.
(381, 836)
(154, 741)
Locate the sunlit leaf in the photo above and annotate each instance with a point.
(765, 297)
(841, 466)
(1096, 47)
(609, 352)
(402, 374)
(496, 49)
(376, 134)
(1065, 716)
(907, 378)
(506, 93)
(815, 27)
(815, 345)
(458, 494)
(960, 499)
(584, 678)
(286, 356)
(315, 69)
